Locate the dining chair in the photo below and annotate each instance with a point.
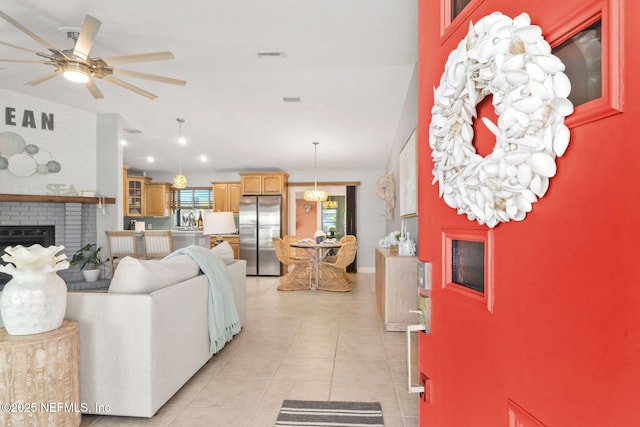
(299, 277)
(348, 238)
(332, 258)
(333, 275)
(157, 243)
(121, 244)
(292, 253)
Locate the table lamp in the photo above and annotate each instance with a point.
(218, 223)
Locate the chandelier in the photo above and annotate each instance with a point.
(180, 181)
(315, 195)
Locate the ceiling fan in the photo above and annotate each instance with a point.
(76, 64)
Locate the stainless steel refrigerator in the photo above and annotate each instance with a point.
(259, 223)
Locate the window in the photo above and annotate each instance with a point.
(582, 56)
(457, 6)
(188, 203)
(467, 257)
(192, 198)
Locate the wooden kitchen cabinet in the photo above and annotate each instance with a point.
(134, 195)
(396, 288)
(233, 240)
(157, 199)
(263, 183)
(226, 197)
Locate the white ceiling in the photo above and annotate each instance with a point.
(349, 61)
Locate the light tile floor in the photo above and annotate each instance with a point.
(306, 345)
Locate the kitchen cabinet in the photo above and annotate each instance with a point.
(234, 241)
(134, 195)
(396, 288)
(265, 183)
(157, 199)
(226, 197)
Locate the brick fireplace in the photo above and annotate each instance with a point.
(74, 224)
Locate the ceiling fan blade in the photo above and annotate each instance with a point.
(24, 61)
(27, 31)
(140, 57)
(44, 78)
(91, 85)
(18, 47)
(129, 86)
(87, 36)
(147, 76)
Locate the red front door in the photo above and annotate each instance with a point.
(557, 341)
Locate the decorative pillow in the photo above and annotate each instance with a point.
(142, 276)
(224, 251)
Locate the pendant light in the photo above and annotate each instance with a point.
(180, 181)
(315, 195)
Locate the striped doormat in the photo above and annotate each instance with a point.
(326, 413)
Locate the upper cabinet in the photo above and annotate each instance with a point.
(157, 199)
(226, 197)
(145, 198)
(263, 183)
(134, 187)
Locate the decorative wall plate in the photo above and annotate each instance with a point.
(509, 59)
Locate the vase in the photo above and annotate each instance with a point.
(35, 299)
(91, 275)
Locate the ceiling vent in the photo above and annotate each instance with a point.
(270, 54)
(291, 99)
(128, 130)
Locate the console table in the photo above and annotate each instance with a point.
(39, 378)
(396, 288)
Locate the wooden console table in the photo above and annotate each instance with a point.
(39, 378)
(396, 288)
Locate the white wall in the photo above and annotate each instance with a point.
(408, 122)
(71, 143)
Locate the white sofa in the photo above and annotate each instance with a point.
(137, 350)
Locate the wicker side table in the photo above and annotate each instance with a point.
(39, 378)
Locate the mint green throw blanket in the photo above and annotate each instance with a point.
(223, 318)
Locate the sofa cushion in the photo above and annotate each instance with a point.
(140, 276)
(224, 251)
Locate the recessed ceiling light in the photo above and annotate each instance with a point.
(150, 159)
(123, 142)
(203, 158)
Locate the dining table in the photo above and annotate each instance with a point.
(316, 252)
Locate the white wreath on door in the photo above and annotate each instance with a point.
(509, 59)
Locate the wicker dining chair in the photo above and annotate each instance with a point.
(332, 274)
(332, 258)
(157, 243)
(293, 253)
(299, 278)
(120, 244)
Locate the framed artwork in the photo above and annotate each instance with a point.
(407, 172)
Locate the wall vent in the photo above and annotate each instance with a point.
(270, 55)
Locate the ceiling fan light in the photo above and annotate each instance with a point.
(75, 72)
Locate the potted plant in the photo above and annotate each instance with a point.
(90, 259)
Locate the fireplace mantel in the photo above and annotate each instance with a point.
(54, 199)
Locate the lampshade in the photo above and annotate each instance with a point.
(218, 223)
(315, 195)
(180, 181)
